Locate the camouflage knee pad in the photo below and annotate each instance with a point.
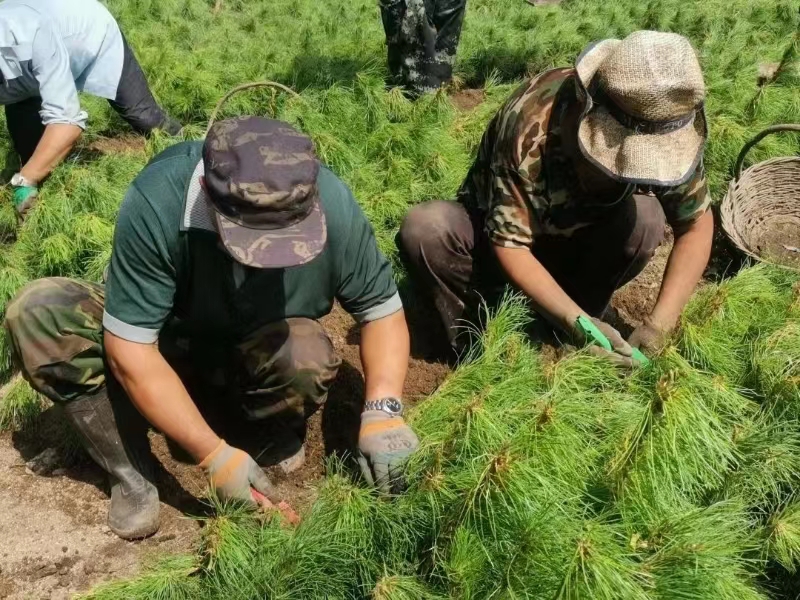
(55, 330)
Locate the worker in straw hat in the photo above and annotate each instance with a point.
(225, 254)
(568, 196)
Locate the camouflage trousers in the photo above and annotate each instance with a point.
(450, 255)
(56, 336)
(422, 38)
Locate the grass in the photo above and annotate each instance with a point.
(533, 480)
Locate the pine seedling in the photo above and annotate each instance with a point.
(229, 550)
(722, 320)
(685, 445)
(12, 276)
(769, 464)
(341, 547)
(402, 587)
(776, 366)
(472, 410)
(784, 537)
(20, 405)
(701, 553)
(170, 578)
(467, 568)
(602, 567)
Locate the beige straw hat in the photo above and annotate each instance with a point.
(644, 120)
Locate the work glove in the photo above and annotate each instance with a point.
(234, 475)
(384, 444)
(649, 337)
(25, 196)
(621, 351)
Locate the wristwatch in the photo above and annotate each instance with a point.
(18, 180)
(391, 406)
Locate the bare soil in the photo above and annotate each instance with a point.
(466, 100)
(122, 144)
(780, 243)
(54, 540)
(633, 302)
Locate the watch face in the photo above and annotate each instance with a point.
(394, 405)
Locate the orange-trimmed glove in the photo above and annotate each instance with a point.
(234, 475)
(384, 444)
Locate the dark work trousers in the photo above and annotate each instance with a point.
(450, 255)
(422, 38)
(134, 103)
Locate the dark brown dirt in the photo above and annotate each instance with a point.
(55, 541)
(467, 100)
(636, 300)
(780, 243)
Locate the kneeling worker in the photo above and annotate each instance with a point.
(568, 195)
(225, 255)
(49, 51)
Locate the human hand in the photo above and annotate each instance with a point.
(234, 475)
(384, 443)
(621, 353)
(25, 196)
(649, 337)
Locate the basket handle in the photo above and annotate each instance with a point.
(758, 138)
(241, 88)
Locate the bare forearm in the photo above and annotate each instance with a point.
(385, 349)
(56, 143)
(528, 274)
(158, 393)
(685, 267)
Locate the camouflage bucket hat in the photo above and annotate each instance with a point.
(261, 178)
(644, 121)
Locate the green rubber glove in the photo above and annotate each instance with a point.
(25, 196)
(606, 341)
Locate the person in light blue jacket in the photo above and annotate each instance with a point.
(49, 51)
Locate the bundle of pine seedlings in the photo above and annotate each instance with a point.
(724, 319)
(542, 480)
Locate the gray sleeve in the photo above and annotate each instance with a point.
(50, 63)
(379, 311)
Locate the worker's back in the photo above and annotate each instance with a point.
(84, 28)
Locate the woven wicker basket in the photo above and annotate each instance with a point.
(761, 211)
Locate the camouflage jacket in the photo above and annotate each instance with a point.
(527, 183)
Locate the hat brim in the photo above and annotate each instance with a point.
(662, 159)
(290, 246)
(589, 61)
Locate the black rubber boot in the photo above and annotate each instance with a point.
(133, 513)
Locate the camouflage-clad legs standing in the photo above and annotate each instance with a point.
(422, 38)
(55, 330)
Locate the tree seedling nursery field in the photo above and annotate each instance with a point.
(534, 478)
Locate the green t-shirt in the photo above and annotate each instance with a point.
(168, 268)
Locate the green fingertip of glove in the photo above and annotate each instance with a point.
(24, 193)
